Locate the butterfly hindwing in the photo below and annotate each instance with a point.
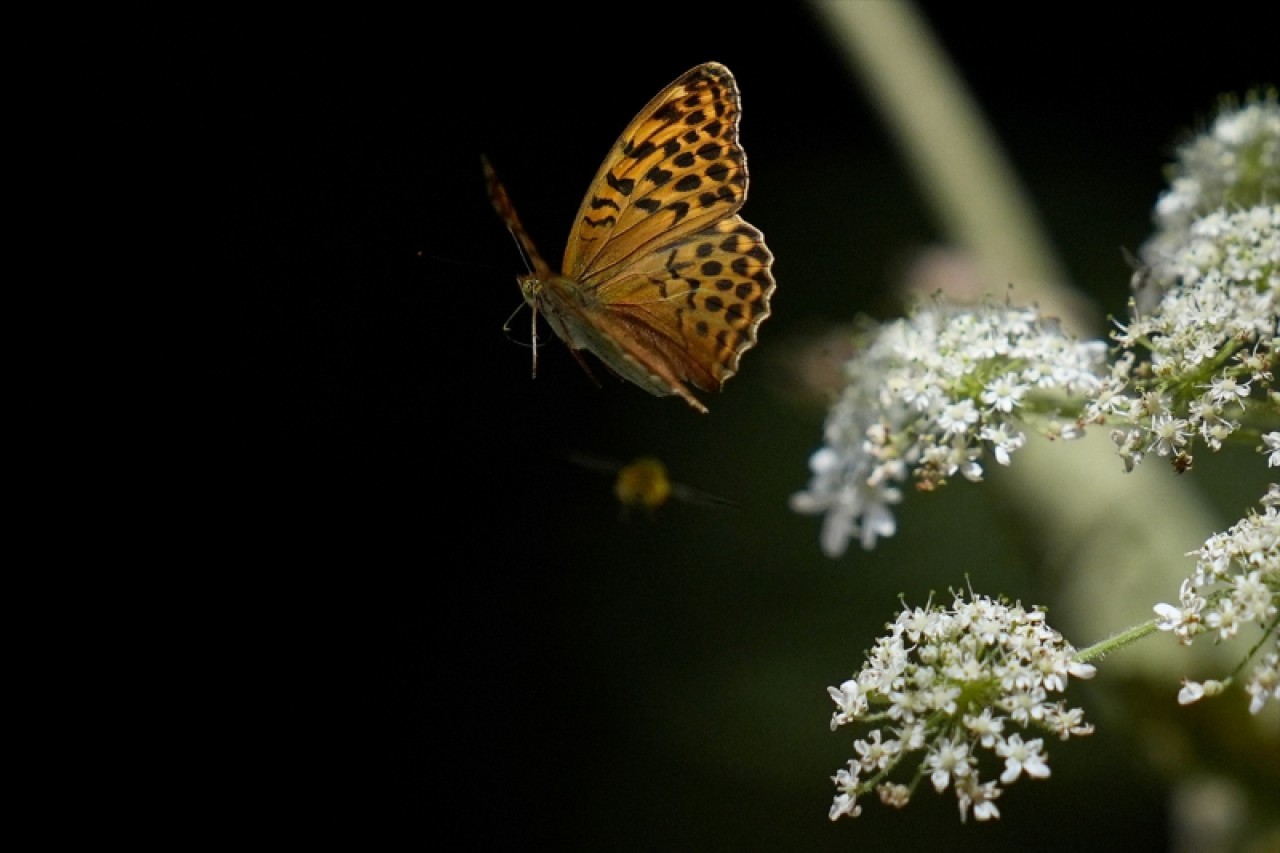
(700, 300)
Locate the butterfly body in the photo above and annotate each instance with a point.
(628, 349)
(661, 279)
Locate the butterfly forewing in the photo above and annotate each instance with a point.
(502, 203)
(676, 169)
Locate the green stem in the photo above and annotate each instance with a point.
(1266, 634)
(1117, 641)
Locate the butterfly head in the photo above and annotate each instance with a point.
(530, 287)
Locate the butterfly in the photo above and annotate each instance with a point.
(661, 280)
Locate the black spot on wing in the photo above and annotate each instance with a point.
(668, 113)
(658, 176)
(688, 183)
(639, 152)
(622, 186)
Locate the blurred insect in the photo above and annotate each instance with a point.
(644, 484)
(1143, 286)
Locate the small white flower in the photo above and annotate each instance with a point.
(1025, 705)
(845, 803)
(1225, 390)
(947, 760)
(1225, 619)
(1004, 440)
(1253, 597)
(985, 727)
(1066, 722)
(852, 702)
(956, 418)
(874, 755)
(1021, 758)
(978, 796)
(1005, 393)
(1272, 442)
(1168, 435)
(1184, 621)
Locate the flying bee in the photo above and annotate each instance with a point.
(644, 484)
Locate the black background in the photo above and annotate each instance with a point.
(434, 623)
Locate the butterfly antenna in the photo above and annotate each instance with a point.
(524, 255)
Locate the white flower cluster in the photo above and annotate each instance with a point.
(1236, 582)
(1235, 164)
(953, 682)
(1211, 338)
(928, 396)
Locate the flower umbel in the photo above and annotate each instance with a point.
(929, 396)
(1210, 342)
(1233, 165)
(1235, 584)
(948, 683)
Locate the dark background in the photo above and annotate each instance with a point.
(433, 622)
